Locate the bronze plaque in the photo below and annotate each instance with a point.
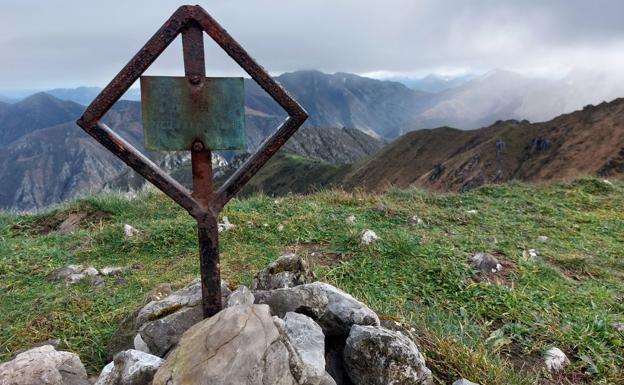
(176, 113)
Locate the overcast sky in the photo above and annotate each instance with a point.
(67, 43)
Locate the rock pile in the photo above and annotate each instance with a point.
(287, 330)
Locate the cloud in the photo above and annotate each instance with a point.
(70, 42)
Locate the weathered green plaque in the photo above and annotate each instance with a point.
(176, 113)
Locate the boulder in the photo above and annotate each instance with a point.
(164, 333)
(241, 345)
(130, 367)
(377, 356)
(44, 365)
(308, 340)
(140, 345)
(188, 296)
(240, 296)
(289, 270)
(335, 310)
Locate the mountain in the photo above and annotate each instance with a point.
(380, 108)
(85, 95)
(35, 112)
(589, 141)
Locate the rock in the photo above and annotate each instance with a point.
(486, 263)
(44, 366)
(464, 381)
(377, 356)
(380, 208)
(241, 345)
(112, 270)
(397, 327)
(471, 212)
(188, 296)
(306, 299)
(335, 310)
(286, 271)
(343, 311)
(63, 273)
(415, 220)
(608, 182)
(97, 282)
(240, 296)
(308, 340)
(130, 231)
(619, 326)
(280, 227)
(75, 278)
(351, 219)
(91, 271)
(555, 359)
(225, 225)
(164, 333)
(130, 367)
(542, 238)
(368, 236)
(140, 345)
(532, 253)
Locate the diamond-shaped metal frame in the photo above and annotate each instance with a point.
(156, 45)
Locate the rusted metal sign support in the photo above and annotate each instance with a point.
(204, 203)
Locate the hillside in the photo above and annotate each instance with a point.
(489, 328)
(586, 142)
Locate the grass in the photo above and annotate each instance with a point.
(488, 329)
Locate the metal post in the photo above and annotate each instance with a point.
(201, 160)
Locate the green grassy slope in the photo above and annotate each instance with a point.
(481, 328)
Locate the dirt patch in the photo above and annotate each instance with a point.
(63, 221)
(318, 254)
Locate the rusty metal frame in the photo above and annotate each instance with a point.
(204, 204)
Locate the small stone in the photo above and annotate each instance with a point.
(415, 220)
(97, 282)
(532, 253)
(542, 238)
(380, 208)
(606, 181)
(90, 271)
(368, 236)
(286, 271)
(471, 212)
(130, 231)
(63, 273)
(351, 219)
(241, 296)
(619, 326)
(280, 227)
(225, 225)
(555, 359)
(464, 381)
(486, 263)
(112, 270)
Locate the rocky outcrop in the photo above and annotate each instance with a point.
(44, 365)
(378, 356)
(241, 296)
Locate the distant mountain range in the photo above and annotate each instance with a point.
(46, 158)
